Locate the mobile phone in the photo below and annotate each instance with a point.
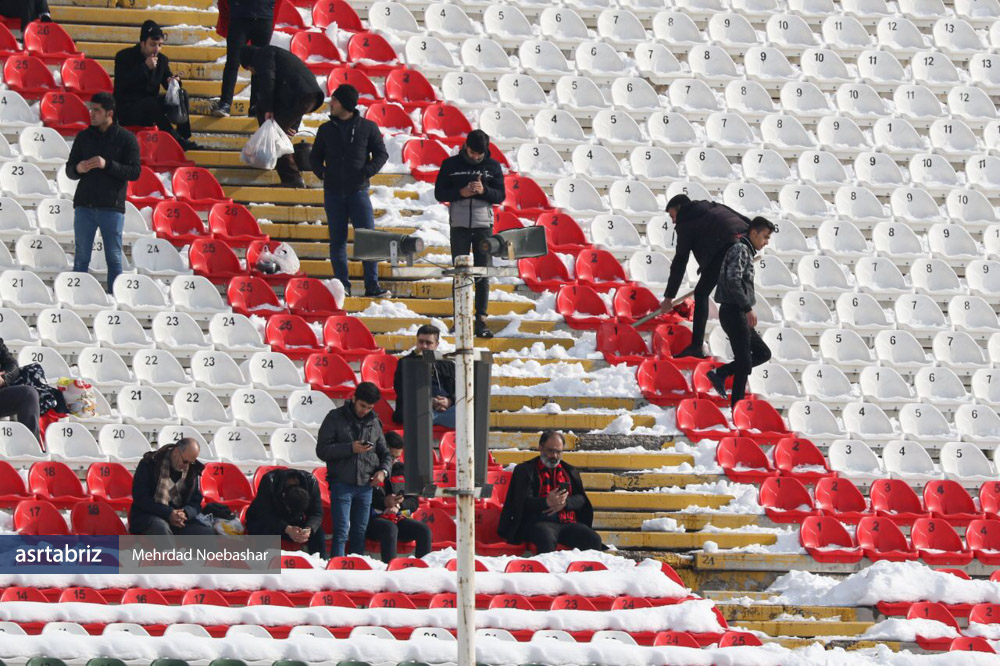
(564, 486)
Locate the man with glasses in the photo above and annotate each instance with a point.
(442, 381)
(166, 492)
(546, 504)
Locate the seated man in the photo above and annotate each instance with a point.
(288, 503)
(389, 522)
(546, 504)
(26, 10)
(442, 381)
(166, 491)
(21, 402)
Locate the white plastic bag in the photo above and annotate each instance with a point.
(287, 261)
(266, 145)
(173, 93)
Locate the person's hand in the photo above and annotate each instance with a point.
(98, 162)
(83, 167)
(175, 77)
(556, 501)
(151, 62)
(177, 518)
(291, 131)
(477, 185)
(467, 191)
(667, 305)
(392, 502)
(268, 115)
(3, 380)
(378, 478)
(751, 319)
(439, 403)
(360, 447)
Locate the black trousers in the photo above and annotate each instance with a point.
(242, 31)
(26, 10)
(21, 402)
(702, 291)
(315, 545)
(547, 535)
(151, 111)
(160, 527)
(389, 534)
(288, 114)
(749, 350)
(464, 238)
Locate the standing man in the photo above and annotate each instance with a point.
(705, 229)
(166, 492)
(472, 183)
(352, 445)
(282, 89)
(736, 298)
(26, 10)
(546, 504)
(347, 152)
(442, 380)
(288, 503)
(250, 21)
(104, 157)
(142, 74)
(390, 522)
(19, 401)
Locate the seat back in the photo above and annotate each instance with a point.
(784, 494)
(824, 532)
(947, 497)
(894, 496)
(881, 535)
(96, 518)
(839, 495)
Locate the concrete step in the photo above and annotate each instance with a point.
(101, 17)
(178, 53)
(601, 460)
(806, 628)
(684, 540)
(516, 402)
(291, 195)
(568, 421)
(398, 343)
(594, 481)
(639, 501)
(691, 522)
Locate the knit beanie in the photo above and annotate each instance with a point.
(347, 95)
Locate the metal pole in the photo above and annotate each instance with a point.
(465, 462)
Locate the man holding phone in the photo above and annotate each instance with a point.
(546, 504)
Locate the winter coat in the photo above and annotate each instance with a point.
(705, 229)
(144, 484)
(251, 9)
(340, 429)
(134, 81)
(280, 81)
(476, 211)
(523, 507)
(736, 277)
(267, 513)
(394, 485)
(443, 371)
(8, 365)
(347, 153)
(104, 188)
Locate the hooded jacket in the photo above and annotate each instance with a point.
(280, 80)
(340, 429)
(736, 277)
(267, 513)
(523, 506)
(347, 153)
(458, 171)
(144, 483)
(107, 187)
(134, 81)
(705, 229)
(394, 485)
(8, 365)
(442, 372)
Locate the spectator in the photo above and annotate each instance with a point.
(705, 229)
(166, 492)
(471, 182)
(104, 157)
(282, 88)
(142, 74)
(250, 21)
(442, 380)
(736, 298)
(288, 503)
(390, 521)
(26, 10)
(352, 445)
(546, 504)
(21, 402)
(347, 152)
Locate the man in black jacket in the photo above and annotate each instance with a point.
(546, 504)
(390, 522)
(736, 298)
(288, 503)
(26, 10)
(442, 380)
(705, 229)
(347, 152)
(104, 157)
(21, 402)
(166, 492)
(352, 445)
(471, 182)
(283, 89)
(250, 21)
(142, 74)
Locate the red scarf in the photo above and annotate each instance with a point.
(549, 480)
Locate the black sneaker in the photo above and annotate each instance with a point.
(378, 292)
(188, 144)
(221, 110)
(483, 331)
(718, 383)
(692, 352)
(295, 183)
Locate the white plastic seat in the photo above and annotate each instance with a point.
(183, 629)
(934, 70)
(25, 292)
(235, 334)
(814, 420)
(217, 371)
(952, 137)
(63, 330)
(634, 200)
(862, 313)
(983, 72)
(868, 421)
(121, 331)
(909, 461)
(14, 222)
(123, 443)
(991, 240)
(485, 57)
(924, 11)
(15, 113)
(596, 163)
(730, 133)
(766, 168)
(616, 234)
(160, 369)
(900, 350)
(104, 368)
(953, 244)
(977, 423)
(785, 135)
(777, 384)
(748, 98)
(308, 408)
(242, 447)
(381, 633)
(448, 21)
(197, 296)
(82, 292)
(880, 277)
(693, 98)
(878, 172)
(579, 96)
(505, 127)
(804, 205)
(295, 447)
(860, 206)
(661, 234)
(916, 207)
(854, 460)
(257, 410)
(25, 182)
(563, 26)
(708, 165)
(773, 278)
(978, 12)
(867, 10)
(959, 351)
(711, 63)
(973, 315)
(140, 295)
(652, 269)
(578, 197)
(671, 130)
(841, 136)
(845, 348)
(980, 172)
(53, 364)
(693, 190)
(917, 104)
(507, 24)
(599, 61)
(701, 9)
(309, 630)
(970, 208)
(72, 443)
(543, 60)
(635, 95)
(144, 407)
(805, 100)
(732, 32)
(986, 386)
(43, 146)
(769, 66)
(790, 33)
(429, 54)
(657, 63)
(825, 68)
(935, 278)
(971, 104)
(822, 170)
(55, 218)
(824, 275)
(919, 314)
(983, 277)
(758, 9)
(941, 386)
(828, 383)
(649, 164)
(393, 18)
(881, 69)
(273, 372)
(541, 161)
(810, 314)
(200, 408)
(860, 101)
(157, 257)
(14, 331)
(957, 38)
(620, 28)
(885, 387)
(467, 90)
(18, 446)
(520, 92)
(789, 347)
(846, 34)
(897, 136)
(677, 29)
(899, 35)
(932, 173)
(172, 434)
(749, 198)
(178, 333)
(898, 242)
(618, 131)
(966, 463)
(41, 254)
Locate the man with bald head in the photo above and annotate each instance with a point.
(166, 491)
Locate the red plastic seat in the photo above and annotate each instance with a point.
(895, 499)
(505, 220)
(391, 116)
(525, 566)
(32, 594)
(287, 19)
(600, 270)
(147, 190)
(410, 88)
(443, 600)
(293, 561)
(938, 612)
(739, 639)
(581, 307)
(786, 500)
(250, 295)
(349, 337)
(840, 499)
(391, 600)
(580, 566)
(310, 299)
(500, 480)
(983, 539)
(670, 339)
(930, 535)
(49, 42)
(367, 92)
(254, 250)
(424, 158)
(989, 499)
(572, 602)
(675, 639)
(38, 517)
(400, 563)
(8, 43)
(743, 461)
(332, 598)
(447, 123)
(518, 601)
(326, 12)
(525, 198)
(372, 53)
(488, 542)
(630, 603)
(985, 613)
(309, 46)
(826, 540)
(545, 273)
(224, 483)
(562, 233)
(234, 224)
(947, 499)
(204, 597)
(700, 383)
(881, 539)
(65, 113)
(380, 369)
(291, 335)
(442, 526)
(85, 77)
(347, 563)
(27, 75)
(970, 644)
(633, 302)
(160, 151)
(112, 483)
(57, 483)
(138, 595)
(759, 421)
(82, 595)
(178, 223)
(701, 419)
(662, 383)
(215, 260)
(198, 187)
(12, 488)
(96, 518)
(798, 457)
(620, 343)
(330, 374)
(269, 598)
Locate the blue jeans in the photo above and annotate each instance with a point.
(86, 223)
(445, 419)
(358, 208)
(350, 507)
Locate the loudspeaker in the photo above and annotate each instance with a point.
(418, 424)
(374, 245)
(516, 243)
(482, 372)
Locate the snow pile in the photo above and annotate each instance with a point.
(908, 630)
(387, 308)
(661, 525)
(612, 382)
(704, 458)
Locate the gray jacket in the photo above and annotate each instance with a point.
(470, 212)
(736, 277)
(340, 429)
